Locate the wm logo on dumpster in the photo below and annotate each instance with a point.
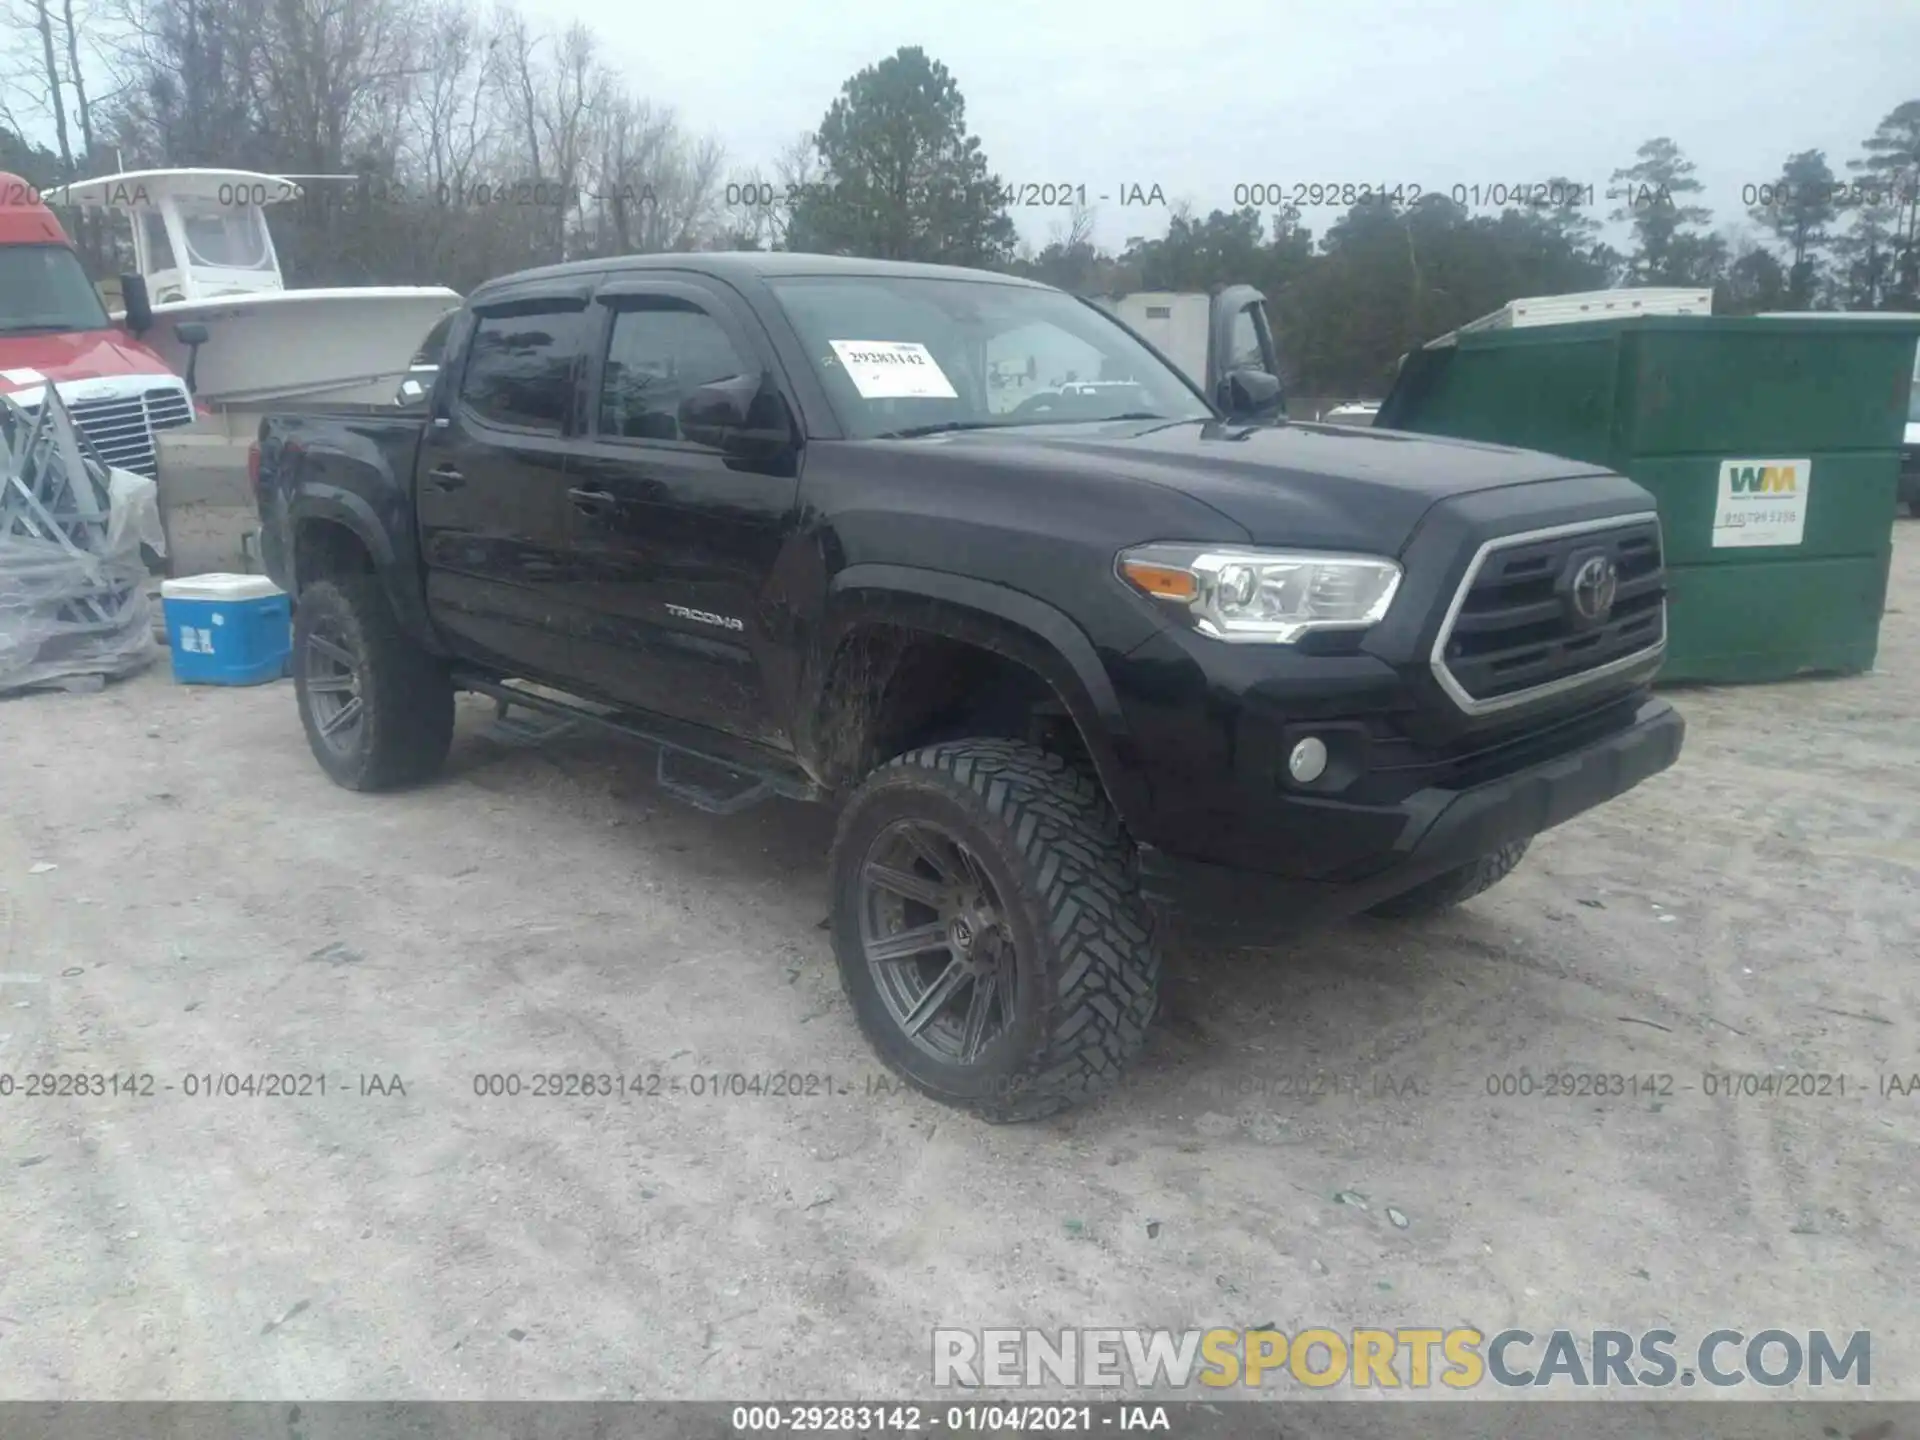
(1762, 479)
(1762, 502)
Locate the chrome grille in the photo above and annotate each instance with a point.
(1512, 634)
(122, 428)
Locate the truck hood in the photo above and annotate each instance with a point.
(1325, 486)
(28, 362)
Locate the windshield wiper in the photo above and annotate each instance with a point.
(940, 427)
(35, 329)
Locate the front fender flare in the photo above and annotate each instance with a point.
(1009, 622)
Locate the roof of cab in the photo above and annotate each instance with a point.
(740, 265)
(24, 220)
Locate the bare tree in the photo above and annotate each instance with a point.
(656, 189)
(514, 60)
(558, 98)
(56, 99)
(748, 219)
(634, 141)
(76, 77)
(1077, 233)
(450, 121)
(759, 204)
(796, 170)
(482, 142)
(189, 91)
(328, 67)
(39, 61)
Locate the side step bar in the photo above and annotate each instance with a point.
(748, 791)
(737, 782)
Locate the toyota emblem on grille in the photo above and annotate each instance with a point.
(1594, 584)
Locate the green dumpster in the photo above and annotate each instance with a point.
(1771, 445)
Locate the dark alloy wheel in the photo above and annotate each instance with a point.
(988, 929)
(377, 707)
(936, 939)
(330, 671)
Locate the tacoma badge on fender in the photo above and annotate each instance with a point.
(706, 617)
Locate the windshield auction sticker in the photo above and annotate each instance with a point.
(893, 370)
(1762, 502)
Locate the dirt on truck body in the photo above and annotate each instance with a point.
(1066, 667)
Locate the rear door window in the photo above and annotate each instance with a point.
(520, 368)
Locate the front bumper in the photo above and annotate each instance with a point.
(1437, 830)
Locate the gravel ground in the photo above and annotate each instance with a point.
(219, 906)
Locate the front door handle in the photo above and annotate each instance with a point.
(593, 502)
(445, 477)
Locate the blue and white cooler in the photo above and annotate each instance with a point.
(227, 629)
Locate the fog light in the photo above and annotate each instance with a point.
(1308, 762)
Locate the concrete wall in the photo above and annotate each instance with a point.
(206, 503)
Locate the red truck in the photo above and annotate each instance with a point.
(54, 330)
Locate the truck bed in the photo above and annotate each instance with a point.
(354, 458)
(346, 409)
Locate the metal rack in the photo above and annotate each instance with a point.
(68, 597)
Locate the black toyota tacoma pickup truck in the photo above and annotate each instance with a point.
(1069, 653)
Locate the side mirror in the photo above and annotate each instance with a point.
(1251, 395)
(139, 306)
(192, 334)
(743, 415)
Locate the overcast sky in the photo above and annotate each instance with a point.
(1202, 95)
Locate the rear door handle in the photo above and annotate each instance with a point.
(445, 477)
(593, 502)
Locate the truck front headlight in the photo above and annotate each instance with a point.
(1263, 596)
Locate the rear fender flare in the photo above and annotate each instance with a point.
(337, 505)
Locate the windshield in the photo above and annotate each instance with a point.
(227, 238)
(905, 353)
(43, 288)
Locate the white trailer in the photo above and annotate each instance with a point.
(1177, 325)
(1352, 412)
(1587, 305)
(1205, 336)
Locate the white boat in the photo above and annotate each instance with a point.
(202, 246)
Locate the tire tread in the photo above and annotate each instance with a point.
(1452, 887)
(408, 694)
(1063, 837)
